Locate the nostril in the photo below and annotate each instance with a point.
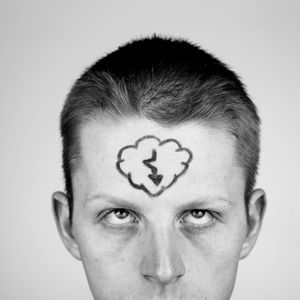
(148, 277)
(164, 277)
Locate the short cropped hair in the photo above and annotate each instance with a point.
(170, 81)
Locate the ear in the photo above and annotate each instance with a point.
(60, 209)
(255, 213)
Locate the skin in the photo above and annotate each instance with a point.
(183, 244)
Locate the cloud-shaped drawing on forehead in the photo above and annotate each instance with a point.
(153, 165)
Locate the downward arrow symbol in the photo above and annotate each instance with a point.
(156, 178)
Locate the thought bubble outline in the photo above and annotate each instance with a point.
(160, 143)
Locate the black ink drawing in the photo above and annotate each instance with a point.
(146, 174)
(156, 178)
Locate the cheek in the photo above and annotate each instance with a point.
(108, 256)
(212, 258)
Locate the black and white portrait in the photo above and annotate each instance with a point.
(150, 150)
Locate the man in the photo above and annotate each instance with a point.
(160, 154)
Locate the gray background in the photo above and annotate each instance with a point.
(44, 47)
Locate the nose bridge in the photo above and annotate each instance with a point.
(162, 262)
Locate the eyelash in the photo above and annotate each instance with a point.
(212, 214)
(104, 214)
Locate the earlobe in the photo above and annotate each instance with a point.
(255, 211)
(60, 209)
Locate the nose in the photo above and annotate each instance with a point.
(161, 261)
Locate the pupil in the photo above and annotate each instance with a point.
(121, 213)
(197, 213)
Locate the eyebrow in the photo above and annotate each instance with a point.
(119, 202)
(205, 201)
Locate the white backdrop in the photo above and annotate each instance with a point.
(45, 45)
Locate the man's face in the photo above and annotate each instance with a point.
(156, 218)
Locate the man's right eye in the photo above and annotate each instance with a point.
(120, 216)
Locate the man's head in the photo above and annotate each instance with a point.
(160, 154)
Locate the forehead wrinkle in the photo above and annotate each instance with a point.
(205, 201)
(200, 201)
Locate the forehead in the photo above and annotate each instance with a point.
(209, 152)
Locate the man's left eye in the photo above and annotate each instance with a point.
(198, 217)
(119, 216)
